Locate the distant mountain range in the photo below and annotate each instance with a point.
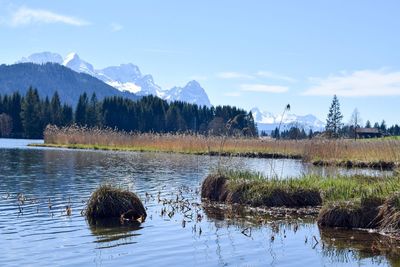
(50, 77)
(71, 76)
(125, 78)
(267, 121)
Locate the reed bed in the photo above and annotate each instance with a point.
(379, 153)
(349, 202)
(254, 187)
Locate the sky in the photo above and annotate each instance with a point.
(254, 53)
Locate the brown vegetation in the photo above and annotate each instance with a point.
(347, 202)
(217, 187)
(375, 213)
(375, 153)
(111, 202)
(350, 214)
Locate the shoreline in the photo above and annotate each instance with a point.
(348, 203)
(349, 164)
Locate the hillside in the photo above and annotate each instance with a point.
(51, 77)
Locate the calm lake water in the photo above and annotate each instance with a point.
(38, 232)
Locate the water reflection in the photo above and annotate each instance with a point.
(112, 233)
(346, 246)
(178, 228)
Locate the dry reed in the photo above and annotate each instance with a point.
(378, 153)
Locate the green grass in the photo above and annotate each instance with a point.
(340, 188)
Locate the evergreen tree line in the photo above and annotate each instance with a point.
(335, 128)
(27, 116)
(293, 133)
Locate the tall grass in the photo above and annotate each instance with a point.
(327, 151)
(336, 188)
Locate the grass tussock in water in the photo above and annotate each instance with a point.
(376, 153)
(244, 188)
(255, 189)
(112, 202)
(349, 202)
(389, 213)
(382, 214)
(351, 214)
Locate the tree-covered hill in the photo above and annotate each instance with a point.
(49, 78)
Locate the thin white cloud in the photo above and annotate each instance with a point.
(234, 75)
(275, 76)
(357, 83)
(233, 94)
(263, 88)
(259, 74)
(26, 16)
(116, 27)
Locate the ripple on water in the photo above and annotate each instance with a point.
(47, 237)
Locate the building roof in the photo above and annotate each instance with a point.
(368, 130)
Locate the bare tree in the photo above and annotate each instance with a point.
(355, 121)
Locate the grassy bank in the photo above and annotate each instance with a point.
(254, 188)
(350, 202)
(379, 153)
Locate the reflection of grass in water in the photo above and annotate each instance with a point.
(112, 230)
(337, 244)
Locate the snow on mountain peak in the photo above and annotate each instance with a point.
(268, 121)
(126, 77)
(73, 56)
(192, 91)
(74, 62)
(41, 58)
(123, 73)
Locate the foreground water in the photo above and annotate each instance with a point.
(37, 184)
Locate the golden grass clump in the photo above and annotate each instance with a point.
(214, 188)
(373, 212)
(390, 214)
(350, 214)
(111, 202)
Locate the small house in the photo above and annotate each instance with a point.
(368, 133)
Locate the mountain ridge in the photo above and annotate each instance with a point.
(125, 78)
(51, 77)
(267, 121)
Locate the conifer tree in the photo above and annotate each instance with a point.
(81, 108)
(30, 115)
(334, 119)
(55, 110)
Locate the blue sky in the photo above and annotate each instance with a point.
(244, 53)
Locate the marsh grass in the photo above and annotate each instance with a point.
(331, 188)
(349, 202)
(378, 153)
(112, 202)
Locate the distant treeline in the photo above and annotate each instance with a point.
(27, 116)
(347, 131)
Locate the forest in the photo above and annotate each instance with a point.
(27, 116)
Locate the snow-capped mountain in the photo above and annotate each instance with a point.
(74, 62)
(192, 90)
(267, 121)
(125, 77)
(41, 58)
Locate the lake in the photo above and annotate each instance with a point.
(39, 232)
